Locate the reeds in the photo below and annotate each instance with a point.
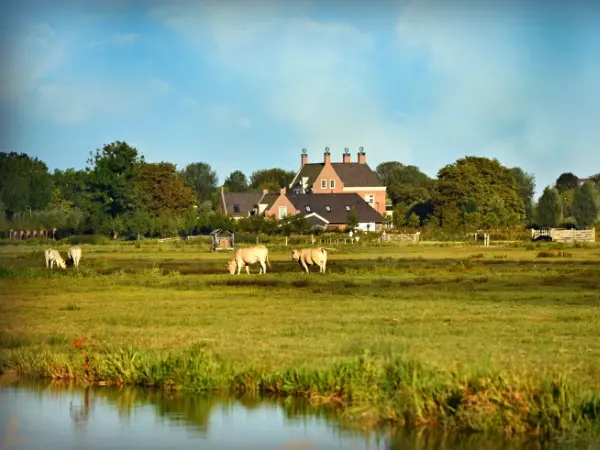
(371, 390)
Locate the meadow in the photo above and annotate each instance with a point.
(504, 337)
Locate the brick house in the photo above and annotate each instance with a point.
(336, 178)
(246, 204)
(331, 210)
(327, 210)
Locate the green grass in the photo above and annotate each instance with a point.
(467, 337)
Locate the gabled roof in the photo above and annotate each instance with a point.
(269, 199)
(337, 203)
(311, 171)
(356, 175)
(351, 174)
(245, 200)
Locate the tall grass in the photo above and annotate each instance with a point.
(372, 390)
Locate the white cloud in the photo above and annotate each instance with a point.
(31, 54)
(72, 102)
(311, 74)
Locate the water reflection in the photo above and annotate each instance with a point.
(62, 415)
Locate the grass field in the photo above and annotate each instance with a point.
(524, 310)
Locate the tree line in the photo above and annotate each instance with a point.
(120, 194)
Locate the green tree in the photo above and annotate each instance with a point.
(566, 181)
(113, 188)
(352, 218)
(405, 184)
(596, 180)
(549, 208)
(236, 182)
(482, 180)
(165, 190)
(201, 179)
(271, 179)
(525, 188)
(25, 184)
(73, 188)
(413, 221)
(585, 204)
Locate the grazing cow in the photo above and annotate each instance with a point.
(74, 255)
(52, 256)
(245, 256)
(309, 256)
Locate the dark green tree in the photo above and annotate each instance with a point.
(482, 180)
(114, 191)
(525, 188)
(25, 184)
(566, 181)
(236, 182)
(549, 208)
(585, 204)
(271, 179)
(201, 178)
(405, 184)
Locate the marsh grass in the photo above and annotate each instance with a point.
(175, 319)
(372, 390)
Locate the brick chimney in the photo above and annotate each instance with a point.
(265, 191)
(346, 156)
(283, 191)
(362, 156)
(304, 158)
(327, 159)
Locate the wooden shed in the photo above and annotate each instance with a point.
(222, 239)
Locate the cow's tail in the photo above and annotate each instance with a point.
(330, 249)
(268, 262)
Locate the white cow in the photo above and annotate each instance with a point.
(251, 255)
(75, 255)
(309, 256)
(53, 256)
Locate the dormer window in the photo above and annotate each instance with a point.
(347, 208)
(323, 184)
(328, 208)
(236, 208)
(307, 207)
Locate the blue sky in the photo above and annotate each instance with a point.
(246, 84)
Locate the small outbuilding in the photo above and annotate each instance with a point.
(222, 239)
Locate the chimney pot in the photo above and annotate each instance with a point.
(327, 159)
(362, 157)
(265, 191)
(303, 158)
(346, 156)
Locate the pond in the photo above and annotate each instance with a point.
(47, 415)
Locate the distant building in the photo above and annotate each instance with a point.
(340, 178)
(325, 210)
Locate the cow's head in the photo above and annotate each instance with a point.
(61, 264)
(295, 255)
(231, 266)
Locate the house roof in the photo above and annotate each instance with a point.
(269, 199)
(245, 200)
(351, 174)
(337, 203)
(356, 175)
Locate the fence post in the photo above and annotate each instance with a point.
(286, 241)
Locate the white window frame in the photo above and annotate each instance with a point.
(323, 183)
(331, 184)
(284, 208)
(370, 199)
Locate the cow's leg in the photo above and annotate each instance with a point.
(324, 266)
(305, 266)
(248, 269)
(263, 267)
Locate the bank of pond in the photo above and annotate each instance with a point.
(391, 398)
